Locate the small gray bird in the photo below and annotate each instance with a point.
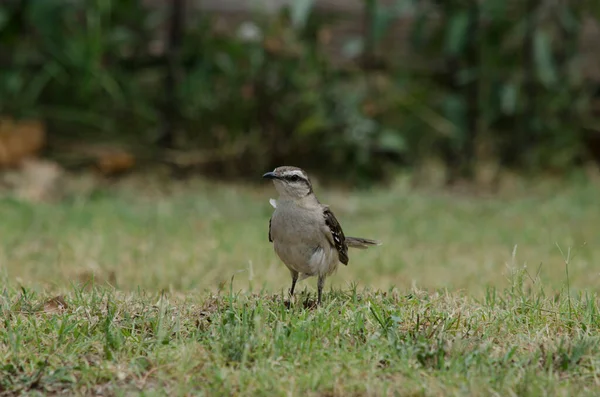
(305, 234)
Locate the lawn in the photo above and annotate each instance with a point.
(175, 289)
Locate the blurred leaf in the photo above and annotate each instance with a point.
(382, 19)
(88, 118)
(40, 81)
(543, 58)
(419, 32)
(494, 9)
(466, 75)
(404, 8)
(311, 125)
(456, 37)
(509, 98)
(437, 122)
(391, 140)
(300, 11)
(4, 18)
(14, 81)
(111, 87)
(454, 109)
(354, 47)
(568, 19)
(48, 17)
(121, 36)
(225, 63)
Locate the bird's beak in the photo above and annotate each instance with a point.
(270, 175)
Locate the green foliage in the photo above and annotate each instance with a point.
(509, 72)
(268, 93)
(64, 65)
(277, 98)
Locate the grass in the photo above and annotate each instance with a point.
(180, 293)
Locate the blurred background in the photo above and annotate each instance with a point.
(350, 89)
(452, 93)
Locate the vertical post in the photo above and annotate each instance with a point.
(453, 156)
(529, 83)
(170, 106)
(368, 39)
(567, 49)
(473, 62)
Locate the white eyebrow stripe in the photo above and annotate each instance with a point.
(295, 172)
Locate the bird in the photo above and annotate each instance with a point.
(306, 235)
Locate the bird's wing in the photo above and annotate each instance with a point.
(335, 235)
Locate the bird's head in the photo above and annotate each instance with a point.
(292, 183)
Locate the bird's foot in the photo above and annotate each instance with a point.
(310, 303)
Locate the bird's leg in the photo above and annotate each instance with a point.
(320, 285)
(294, 279)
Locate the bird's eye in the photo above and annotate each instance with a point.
(295, 178)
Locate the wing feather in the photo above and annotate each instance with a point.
(335, 234)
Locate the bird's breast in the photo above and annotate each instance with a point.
(298, 225)
(299, 241)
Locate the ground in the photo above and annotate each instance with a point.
(176, 290)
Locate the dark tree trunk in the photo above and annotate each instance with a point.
(173, 56)
(529, 109)
(471, 90)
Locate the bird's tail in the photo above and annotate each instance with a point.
(361, 243)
